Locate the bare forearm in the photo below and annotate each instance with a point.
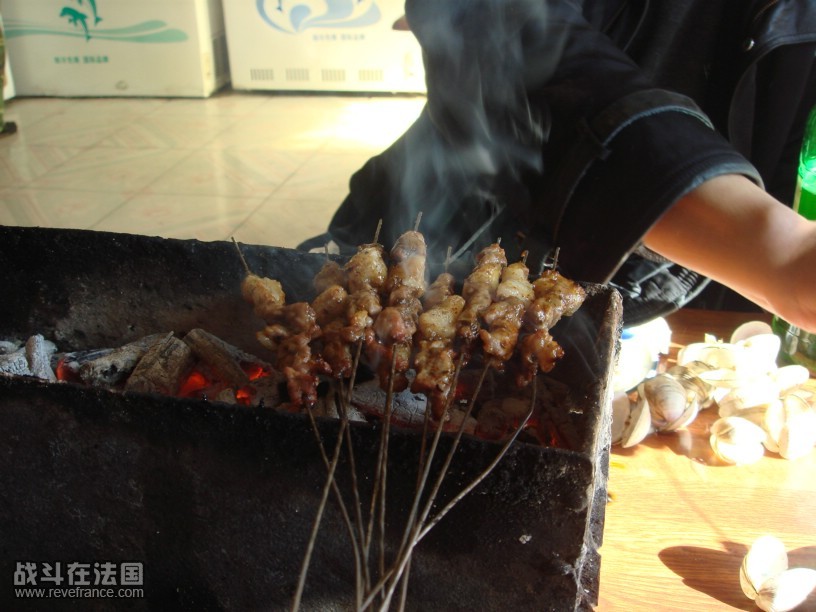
(732, 231)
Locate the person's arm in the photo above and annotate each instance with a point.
(732, 231)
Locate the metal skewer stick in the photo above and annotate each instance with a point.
(486, 472)
(355, 489)
(422, 474)
(427, 419)
(316, 525)
(382, 466)
(377, 231)
(424, 529)
(364, 538)
(360, 569)
(241, 256)
(414, 525)
(361, 564)
(421, 465)
(364, 581)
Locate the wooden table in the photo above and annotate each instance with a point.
(679, 521)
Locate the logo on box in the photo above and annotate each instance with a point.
(82, 18)
(293, 16)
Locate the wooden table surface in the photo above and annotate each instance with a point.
(679, 521)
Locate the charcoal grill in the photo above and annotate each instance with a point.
(217, 500)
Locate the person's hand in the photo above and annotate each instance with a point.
(732, 231)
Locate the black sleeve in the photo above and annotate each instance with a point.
(536, 126)
(619, 154)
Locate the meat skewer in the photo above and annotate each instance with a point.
(435, 359)
(396, 324)
(289, 332)
(366, 273)
(330, 309)
(555, 297)
(504, 316)
(332, 273)
(479, 292)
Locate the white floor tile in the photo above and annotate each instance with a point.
(270, 167)
(56, 208)
(180, 216)
(230, 172)
(184, 131)
(112, 170)
(286, 223)
(324, 177)
(20, 164)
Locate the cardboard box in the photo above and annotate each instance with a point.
(116, 47)
(322, 45)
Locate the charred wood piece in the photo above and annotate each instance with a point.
(15, 364)
(38, 351)
(7, 347)
(162, 368)
(222, 358)
(114, 366)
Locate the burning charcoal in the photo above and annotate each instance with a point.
(114, 365)
(326, 406)
(227, 396)
(494, 422)
(38, 352)
(407, 408)
(268, 391)
(556, 408)
(15, 364)
(162, 368)
(67, 365)
(220, 356)
(456, 417)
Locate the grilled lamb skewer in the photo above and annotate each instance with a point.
(555, 297)
(435, 359)
(330, 274)
(479, 291)
(396, 324)
(504, 316)
(366, 273)
(330, 308)
(289, 332)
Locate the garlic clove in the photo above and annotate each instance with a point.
(786, 590)
(766, 558)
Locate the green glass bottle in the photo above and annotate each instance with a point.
(799, 346)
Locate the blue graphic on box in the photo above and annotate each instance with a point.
(82, 18)
(293, 16)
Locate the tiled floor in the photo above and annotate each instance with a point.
(259, 167)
